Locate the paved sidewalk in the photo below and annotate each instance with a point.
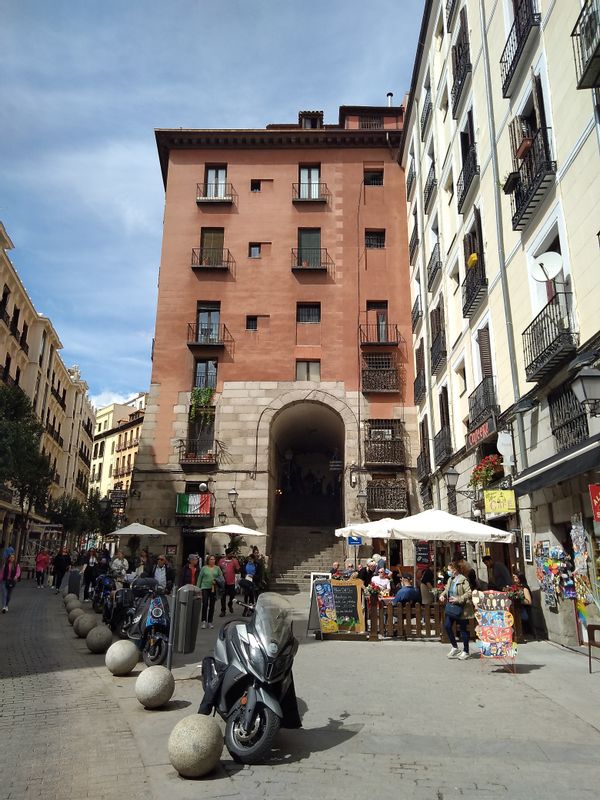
(392, 717)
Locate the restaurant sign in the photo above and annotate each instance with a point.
(499, 501)
(595, 498)
(481, 433)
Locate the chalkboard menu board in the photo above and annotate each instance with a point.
(348, 599)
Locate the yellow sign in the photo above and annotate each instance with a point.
(499, 501)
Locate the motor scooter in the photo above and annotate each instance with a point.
(150, 622)
(249, 681)
(103, 589)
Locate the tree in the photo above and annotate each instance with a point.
(68, 512)
(99, 516)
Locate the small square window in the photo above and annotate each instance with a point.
(308, 312)
(252, 323)
(255, 185)
(375, 239)
(373, 177)
(254, 250)
(308, 370)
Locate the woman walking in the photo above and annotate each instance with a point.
(11, 572)
(210, 576)
(459, 608)
(41, 565)
(90, 573)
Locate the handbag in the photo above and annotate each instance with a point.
(454, 610)
(220, 582)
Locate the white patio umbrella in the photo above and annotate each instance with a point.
(137, 529)
(377, 529)
(436, 525)
(232, 529)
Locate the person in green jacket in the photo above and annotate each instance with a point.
(207, 581)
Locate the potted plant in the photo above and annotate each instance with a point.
(200, 404)
(485, 471)
(511, 181)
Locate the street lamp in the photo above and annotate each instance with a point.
(233, 497)
(361, 499)
(222, 518)
(451, 476)
(586, 388)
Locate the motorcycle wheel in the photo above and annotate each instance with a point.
(253, 747)
(97, 605)
(122, 629)
(155, 654)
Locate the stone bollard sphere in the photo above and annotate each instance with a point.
(73, 604)
(154, 687)
(195, 746)
(77, 612)
(99, 639)
(64, 592)
(122, 657)
(84, 624)
(69, 597)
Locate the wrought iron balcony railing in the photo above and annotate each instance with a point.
(14, 330)
(215, 192)
(423, 465)
(311, 258)
(527, 19)
(568, 418)
(309, 192)
(23, 344)
(384, 452)
(417, 313)
(379, 333)
(7, 378)
(426, 113)
(438, 352)
(410, 179)
(462, 70)
(474, 286)
(434, 266)
(214, 334)
(442, 446)
(467, 176)
(197, 451)
(550, 339)
(419, 387)
(4, 316)
(482, 403)
(58, 397)
(88, 430)
(380, 379)
(430, 187)
(537, 173)
(450, 9)
(387, 496)
(85, 457)
(413, 243)
(586, 45)
(211, 258)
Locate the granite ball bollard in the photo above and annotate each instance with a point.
(73, 604)
(84, 624)
(99, 639)
(65, 591)
(154, 687)
(70, 596)
(122, 657)
(77, 612)
(195, 746)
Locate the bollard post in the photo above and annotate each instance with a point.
(172, 627)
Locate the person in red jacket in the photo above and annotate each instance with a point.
(41, 565)
(10, 574)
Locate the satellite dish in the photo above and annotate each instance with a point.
(546, 266)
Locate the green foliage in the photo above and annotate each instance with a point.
(200, 405)
(236, 542)
(98, 517)
(68, 512)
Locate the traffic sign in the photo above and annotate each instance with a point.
(355, 541)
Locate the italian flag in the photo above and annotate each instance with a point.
(194, 505)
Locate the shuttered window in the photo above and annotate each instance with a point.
(485, 352)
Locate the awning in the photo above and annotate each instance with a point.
(564, 465)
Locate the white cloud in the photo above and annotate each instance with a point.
(106, 397)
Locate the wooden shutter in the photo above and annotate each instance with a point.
(440, 310)
(478, 231)
(538, 102)
(444, 408)
(485, 352)
(424, 434)
(212, 238)
(420, 357)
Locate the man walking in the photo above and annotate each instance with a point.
(229, 567)
(41, 565)
(61, 563)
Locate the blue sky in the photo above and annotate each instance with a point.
(84, 85)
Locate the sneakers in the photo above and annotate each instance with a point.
(5, 609)
(463, 656)
(204, 624)
(210, 625)
(454, 651)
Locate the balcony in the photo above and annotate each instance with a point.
(387, 497)
(311, 259)
(193, 505)
(214, 193)
(379, 334)
(450, 9)
(423, 465)
(462, 71)
(416, 314)
(410, 179)
(426, 113)
(14, 330)
(4, 314)
(54, 433)
(466, 178)
(205, 258)
(413, 244)
(527, 20)
(434, 266)
(213, 334)
(550, 339)
(442, 446)
(23, 343)
(59, 398)
(88, 430)
(384, 452)
(474, 286)
(438, 353)
(85, 457)
(380, 374)
(568, 419)
(6, 378)
(536, 174)
(586, 45)
(482, 403)
(198, 452)
(430, 187)
(309, 193)
(419, 387)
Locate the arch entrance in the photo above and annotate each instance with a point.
(307, 456)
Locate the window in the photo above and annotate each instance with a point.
(252, 323)
(101, 451)
(310, 120)
(370, 121)
(461, 377)
(205, 374)
(254, 250)
(110, 470)
(43, 347)
(112, 448)
(373, 177)
(375, 240)
(308, 370)
(309, 247)
(310, 182)
(208, 317)
(17, 375)
(255, 185)
(211, 246)
(308, 312)
(216, 181)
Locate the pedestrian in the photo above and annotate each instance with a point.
(61, 563)
(209, 579)
(119, 567)
(366, 574)
(90, 573)
(426, 586)
(259, 560)
(335, 570)
(382, 581)
(41, 565)
(524, 605)
(11, 573)
(248, 583)
(459, 608)
(230, 567)
(468, 571)
(189, 574)
(163, 573)
(498, 572)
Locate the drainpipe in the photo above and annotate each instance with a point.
(514, 373)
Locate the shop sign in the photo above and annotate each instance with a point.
(423, 554)
(495, 622)
(481, 433)
(499, 501)
(337, 606)
(355, 541)
(595, 498)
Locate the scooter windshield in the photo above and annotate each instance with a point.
(272, 619)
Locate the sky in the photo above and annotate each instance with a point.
(84, 85)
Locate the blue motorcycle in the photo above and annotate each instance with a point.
(103, 590)
(150, 625)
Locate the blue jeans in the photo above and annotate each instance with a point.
(464, 631)
(6, 593)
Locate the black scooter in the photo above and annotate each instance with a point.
(249, 680)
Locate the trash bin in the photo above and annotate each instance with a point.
(189, 601)
(74, 581)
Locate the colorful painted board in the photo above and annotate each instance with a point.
(323, 592)
(494, 628)
(349, 606)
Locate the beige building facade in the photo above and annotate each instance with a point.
(503, 184)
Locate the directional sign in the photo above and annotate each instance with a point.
(355, 541)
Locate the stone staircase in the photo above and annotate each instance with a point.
(298, 551)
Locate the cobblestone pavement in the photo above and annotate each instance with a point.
(391, 717)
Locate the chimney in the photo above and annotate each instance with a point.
(389, 99)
